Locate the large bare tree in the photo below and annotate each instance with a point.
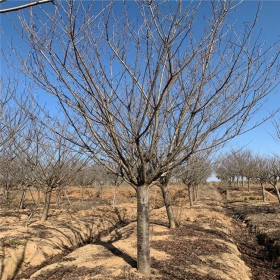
(145, 85)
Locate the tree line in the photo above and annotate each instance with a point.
(242, 165)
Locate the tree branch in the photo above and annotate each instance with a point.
(25, 6)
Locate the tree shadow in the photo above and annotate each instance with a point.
(68, 236)
(19, 262)
(117, 252)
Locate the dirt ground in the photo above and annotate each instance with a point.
(86, 238)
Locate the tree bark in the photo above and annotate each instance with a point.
(47, 203)
(190, 195)
(114, 200)
(168, 205)
(143, 240)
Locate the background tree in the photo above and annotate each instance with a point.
(47, 161)
(147, 92)
(262, 172)
(12, 117)
(250, 165)
(274, 173)
(226, 168)
(196, 172)
(13, 121)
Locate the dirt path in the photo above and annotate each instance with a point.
(254, 255)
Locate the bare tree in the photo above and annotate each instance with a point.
(47, 161)
(146, 92)
(250, 165)
(262, 172)
(197, 171)
(226, 168)
(163, 184)
(236, 164)
(13, 121)
(274, 173)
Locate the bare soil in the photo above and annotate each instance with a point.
(86, 238)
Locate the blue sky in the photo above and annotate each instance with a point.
(260, 140)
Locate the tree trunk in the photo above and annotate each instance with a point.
(168, 206)
(195, 193)
(100, 191)
(82, 193)
(190, 195)
(38, 195)
(143, 238)
(248, 182)
(242, 180)
(114, 200)
(263, 191)
(277, 192)
(6, 193)
(21, 204)
(47, 203)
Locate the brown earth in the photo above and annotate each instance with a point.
(89, 240)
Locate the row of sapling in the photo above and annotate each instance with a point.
(259, 169)
(144, 95)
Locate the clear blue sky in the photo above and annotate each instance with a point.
(259, 140)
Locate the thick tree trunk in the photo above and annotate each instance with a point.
(248, 182)
(190, 195)
(47, 203)
(143, 240)
(168, 206)
(242, 180)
